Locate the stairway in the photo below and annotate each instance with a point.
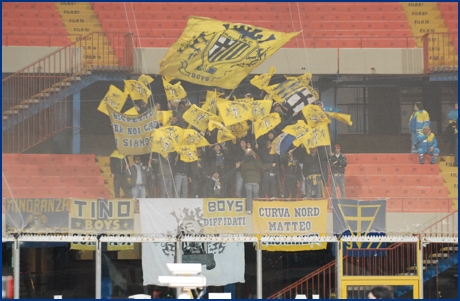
(104, 165)
(80, 20)
(423, 18)
(450, 176)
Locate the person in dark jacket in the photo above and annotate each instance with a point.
(312, 173)
(292, 174)
(139, 175)
(117, 170)
(196, 168)
(250, 171)
(268, 177)
(166, 176)
(338, 164)
(216, 185)
(181, 177)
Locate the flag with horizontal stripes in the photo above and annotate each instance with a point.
(298, 130)
(294, 94)
(221, 54)
(281, 144)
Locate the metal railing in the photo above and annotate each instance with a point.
(447, 226)
(36, 100)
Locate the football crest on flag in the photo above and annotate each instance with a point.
(214, 53)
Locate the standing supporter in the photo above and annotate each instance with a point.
(138, 174)
(216, 159)
(236, 154)
(195, 175)
(181, 177)
(117, 169)
(216, 186)
(179, 112)
(427, 144)
(338, 164)
(312, 172)
(268, 177)
(324, 162)
(417, 121)
(292, 174)
(250, 171)
(154, 175)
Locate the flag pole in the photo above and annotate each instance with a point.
(127, 164)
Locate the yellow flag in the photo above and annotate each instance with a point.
(233, 112)
(265, 124)
(260, 108)
(115, 98)
(223, 133)
(240, 129)
(132, 112)
(165, 117)
(212, 99)
(192, 137)
(318, 136)
(173, 92)
(293, 93)
(221, 54)
(187, 153)
(345, 118)
(161, 143)
(145, 79)
(305, 78)
(247, 100)
(174, 133)
(297, 130)
(198, 117)
(262, 81)
(315, 115)
(137, 90)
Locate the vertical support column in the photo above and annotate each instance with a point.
(98, 270)
(178, 260)
(420, 267)
(259, 269)
(338, 269)
(16, 269)
(76, 104)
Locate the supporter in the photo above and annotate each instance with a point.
(154, 175)
(286, 119)
(117, 172)
(312, 173)
(250, 171)
(139, 175)
(292, 174)
(181, 176)
(338, 164)
(451, 132)
(195, 175)
(236, 154)
(427, 144)
(417, 121)
(179, 112)
(268, 177)
(216, 159)
(216, 186)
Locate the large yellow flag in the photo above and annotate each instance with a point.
(223, 133)
(137, 90)
(221, 54)
(262, 81)
(345, 118)
(145, 79)
(260, 108)
(265, 124)
(198, 117)
(212, 99)
(240, 129)
(173, 92)
(298, 130)
(294, 94)
(315, 115)
(187, 153)
(192, 137)
(115, 98)
(165, 117)
(318, 136)
(233, 112)
(305, 78)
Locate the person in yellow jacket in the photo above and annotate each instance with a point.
(417, 121)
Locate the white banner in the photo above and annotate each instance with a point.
(224, 262)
